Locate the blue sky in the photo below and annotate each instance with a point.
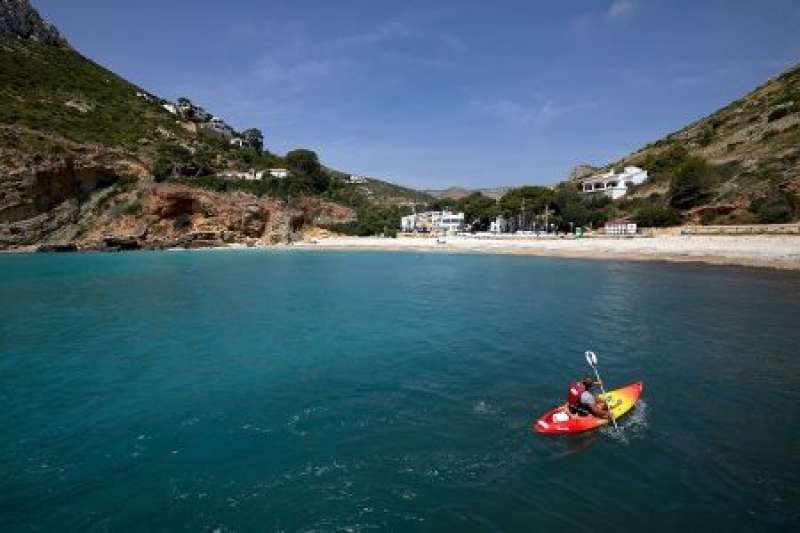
(433, 94)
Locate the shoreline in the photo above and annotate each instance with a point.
(753, 251)
(771, 252)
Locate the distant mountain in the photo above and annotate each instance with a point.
(386, 193)
(457, 193)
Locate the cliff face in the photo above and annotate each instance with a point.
(134, 215)
(19, 20)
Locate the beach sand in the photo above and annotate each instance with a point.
(766, 251)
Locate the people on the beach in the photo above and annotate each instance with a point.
(582, 402)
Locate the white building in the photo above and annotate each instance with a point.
(612, 184)
(357, 179)
(279, 173)
(408, 223)
(620, 227)
(503, 225)
(219, 125)
(171, 108)
(445, 221)
(238, 141)
(242, 175)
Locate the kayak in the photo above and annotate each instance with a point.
(559, 421)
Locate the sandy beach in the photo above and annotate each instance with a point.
(765, 251)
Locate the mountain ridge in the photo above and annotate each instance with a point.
(19, 20)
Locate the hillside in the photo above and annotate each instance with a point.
(744, 160)
(77, 140)
(385, 193)
(459, 193)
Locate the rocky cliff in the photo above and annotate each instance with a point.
(78, 149)
(20, 21)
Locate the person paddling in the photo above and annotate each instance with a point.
(581, 401)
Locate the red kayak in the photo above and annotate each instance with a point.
(560, 421)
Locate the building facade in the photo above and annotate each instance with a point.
(429, 221)
(620, 227)
(612, 184)
(279, 173)
(503, 224)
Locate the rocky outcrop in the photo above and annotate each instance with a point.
(43, 193)
(580, 172)
(157, 216)
(19, 20)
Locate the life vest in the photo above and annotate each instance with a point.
(574, 394)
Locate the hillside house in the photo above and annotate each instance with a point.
(612, 184)
(358, 180)
(279, 173)
(194, 113)
(217, 126)
(249, 175)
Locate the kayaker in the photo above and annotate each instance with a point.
(581, 400)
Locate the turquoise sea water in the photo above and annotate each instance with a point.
(326, 391)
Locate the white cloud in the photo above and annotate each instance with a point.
(400, 30)
(620, 10)
(504, 109)
(297, 75)
(524, 114)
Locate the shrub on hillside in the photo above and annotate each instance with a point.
(308, 174)
(776, 207)
(689, 185)
(706, 136)
(171, 161)
(657, 216)
(662, 164)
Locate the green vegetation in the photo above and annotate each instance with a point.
(656, 216)
(690, 183)
(49, 88)
(254, 138)
(777, 206)
(307, 173)
(662, 164)
(531, 207)
(479, 211)
(372, 218)
(385, 193)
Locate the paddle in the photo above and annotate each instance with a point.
(591, 358)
